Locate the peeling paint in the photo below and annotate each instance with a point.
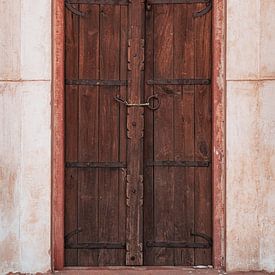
(250, 135)
(24, 139)
(250, 176)
(8, 181)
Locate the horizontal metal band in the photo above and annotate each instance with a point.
(96, 246)
(94, 82)
(95, 164)
(177, 1)
(179, 82)
(184, 163)
(178, 244)
(99, 2)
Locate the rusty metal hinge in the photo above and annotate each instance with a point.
(73, 10)
(205, 10)
(149, 3)
(179, 244)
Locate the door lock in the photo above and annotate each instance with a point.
(152, 103)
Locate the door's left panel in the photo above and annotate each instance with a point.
(95, 135)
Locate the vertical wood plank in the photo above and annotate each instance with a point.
(123, 130)
(184, 131)
(203, 125)
(109, 131)
(88, 132)
(71, 175)
(149, 142)
(164, 133)
(71, 131)
(135, 127)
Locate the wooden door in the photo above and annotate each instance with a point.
(138, 132)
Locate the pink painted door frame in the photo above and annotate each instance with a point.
(218, 135)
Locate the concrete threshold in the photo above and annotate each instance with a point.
(151, 271)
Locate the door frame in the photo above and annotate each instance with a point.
(218, 133)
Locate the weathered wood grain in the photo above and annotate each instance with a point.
(159, 203)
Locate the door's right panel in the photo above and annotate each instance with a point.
(177, 151)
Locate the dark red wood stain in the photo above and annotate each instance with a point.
(138, 203)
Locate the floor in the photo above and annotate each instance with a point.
(152, 271)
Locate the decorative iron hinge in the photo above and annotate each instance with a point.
(202, 12)
(179, 244)
(73, 10)
(70, 235)
(205, 10)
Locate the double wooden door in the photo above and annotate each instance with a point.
(138, 132)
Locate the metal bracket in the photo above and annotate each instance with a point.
(203, 236)
(179, 244)
(205, 10)
(149, 104)
(70, 235)
(98, 245)
(95, 245)
(73, 10)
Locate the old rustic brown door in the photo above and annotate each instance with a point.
(138, 132)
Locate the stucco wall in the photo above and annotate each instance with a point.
(25, 136)
(250, 150)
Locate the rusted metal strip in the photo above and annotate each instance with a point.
(99, 2)
(96, 246)
(71, 234)
(94, 82)
(179, 82)
(179, 163)
(205, 10)
(196, 14)
(95, 164)
(177, 1)
(203, 236)
(73, 9)
(178, 245)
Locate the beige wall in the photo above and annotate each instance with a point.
(250, 135)
(25, 144)
(25, 79)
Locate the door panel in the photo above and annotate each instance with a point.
(96, 49)
(177, 135)
(138, 181)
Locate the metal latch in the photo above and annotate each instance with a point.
(152, 103)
